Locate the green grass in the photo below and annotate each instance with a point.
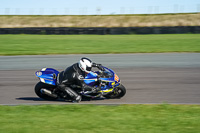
(94, 44)
(161, 118)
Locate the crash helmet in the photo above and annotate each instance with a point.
(85, 64)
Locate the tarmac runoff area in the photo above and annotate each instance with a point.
(172, 78)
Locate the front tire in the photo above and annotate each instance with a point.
(40, 86)
(119, 92)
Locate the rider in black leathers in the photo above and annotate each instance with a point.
(74, 75)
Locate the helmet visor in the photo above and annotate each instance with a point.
(88, 68)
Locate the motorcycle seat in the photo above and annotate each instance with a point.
(60, 77)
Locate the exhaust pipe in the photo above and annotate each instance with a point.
(48, 92)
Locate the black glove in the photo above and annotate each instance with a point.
(94, 65)
(101, 68)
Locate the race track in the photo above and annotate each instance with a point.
(149, 78)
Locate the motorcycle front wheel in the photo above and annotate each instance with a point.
(117, 93)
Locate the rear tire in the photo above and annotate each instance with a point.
(40, 86)
(118, 92)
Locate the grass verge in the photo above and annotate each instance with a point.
(161, 118)
(97, 44)
(132, 20)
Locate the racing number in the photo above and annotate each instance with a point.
(116, 78)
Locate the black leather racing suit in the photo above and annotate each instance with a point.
(73, 75)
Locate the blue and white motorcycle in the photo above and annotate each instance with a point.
(111, 86)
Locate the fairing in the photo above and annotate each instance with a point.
(109, 80)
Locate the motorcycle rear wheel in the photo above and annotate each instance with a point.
(40, 86)
(117, 93)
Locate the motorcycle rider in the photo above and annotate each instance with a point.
(74, 75)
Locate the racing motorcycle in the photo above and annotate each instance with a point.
(107, 79)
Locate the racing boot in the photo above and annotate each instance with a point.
(70, 92)
(76, 98)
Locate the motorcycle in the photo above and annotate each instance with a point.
(107, 79)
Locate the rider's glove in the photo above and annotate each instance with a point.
(101, 68)
(94, 65)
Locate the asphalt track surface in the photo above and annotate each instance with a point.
(149, 78)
